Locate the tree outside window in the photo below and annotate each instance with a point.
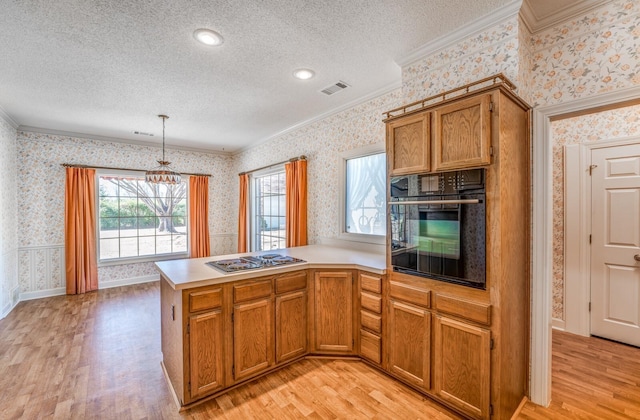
(137, 219)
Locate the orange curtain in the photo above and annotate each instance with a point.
(243, 217)
(199, 216)
(80, 231)
(296, 219)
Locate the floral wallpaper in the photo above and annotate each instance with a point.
(592, 128)
(524, 82)
(592, 54)
(485, 54)
(323, 142)
(585, 56)
(41, 198)
(8, 215)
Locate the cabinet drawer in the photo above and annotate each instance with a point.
(370, 321)
(370, 283)
(250, 291)
(370, 346)
(411, 294)
(473, 311)
(291, 281)
(371, 302)
(206, 299)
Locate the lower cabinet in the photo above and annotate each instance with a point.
(257, 324)
(252, 337)
(291, 326)
(462, 355)
(333, 312)
(205, 353)
(409, 344)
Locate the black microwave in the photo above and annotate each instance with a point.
(437, 226)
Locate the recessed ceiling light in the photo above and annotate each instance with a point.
(208, 37)
(303, 74)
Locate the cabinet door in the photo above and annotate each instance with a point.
(252, 337)
(205, 353)
(462, 362)
(333, 311)
(462, 134)
(410, 343)
(291, 326)
(408, 145)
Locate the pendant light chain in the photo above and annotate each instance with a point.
(164, 118)
(163, 174)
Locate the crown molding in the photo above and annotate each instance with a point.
(539, 23)
(373, 95)
(485, 22)
(8, 119)
(38, 130)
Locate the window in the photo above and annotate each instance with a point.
(139, 220)
(365, 197)
(268, 210)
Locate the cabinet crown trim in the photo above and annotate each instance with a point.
(497, 80)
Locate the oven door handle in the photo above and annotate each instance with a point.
(425, 202)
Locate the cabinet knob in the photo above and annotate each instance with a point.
(636, 257)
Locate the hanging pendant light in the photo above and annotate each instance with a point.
(163, 174)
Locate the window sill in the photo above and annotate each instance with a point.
(136, 260)
(359, 237)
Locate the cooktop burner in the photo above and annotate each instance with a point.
(253, 262)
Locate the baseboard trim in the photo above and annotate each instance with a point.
(42, 294)
(520, 407)
(176, 400)
(102, 285)
(558, 324)
(128, 282)
(7, 310)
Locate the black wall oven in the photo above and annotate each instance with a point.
(437, 226)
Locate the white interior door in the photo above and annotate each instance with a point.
(615, 243)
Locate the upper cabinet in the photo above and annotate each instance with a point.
(408, 144)
(462, 134)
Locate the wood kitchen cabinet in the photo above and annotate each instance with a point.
(253, 323)
(333, 311)
(291, 326)
(479, 336)
(408, 145)
(205, 353)
(409, 332)
(370, 293)
(462, 365)
(410, 343)
(462, 134)
(291, 316)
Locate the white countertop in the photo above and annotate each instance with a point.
(194, 272)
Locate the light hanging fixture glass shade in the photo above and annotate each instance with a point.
(162, 174)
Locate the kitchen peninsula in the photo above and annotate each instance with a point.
(222, 329)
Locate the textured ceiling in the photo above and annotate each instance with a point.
(107, 68)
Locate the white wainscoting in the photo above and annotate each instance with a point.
(41, 269)
(9, 289)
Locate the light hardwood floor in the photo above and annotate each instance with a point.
(98, 356)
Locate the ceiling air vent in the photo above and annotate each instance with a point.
(337, 87)
(142, 133)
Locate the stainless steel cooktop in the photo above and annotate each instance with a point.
(253, 262)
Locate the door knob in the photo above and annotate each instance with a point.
(636, 257)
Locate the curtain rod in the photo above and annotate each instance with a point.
(303, 157)
(74, 165)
